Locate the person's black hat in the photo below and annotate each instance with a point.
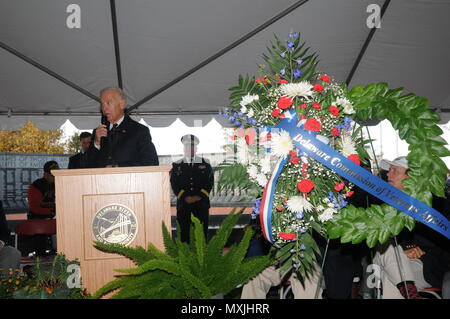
(50, 165)
(190, 139)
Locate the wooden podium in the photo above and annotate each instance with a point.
(125, 205)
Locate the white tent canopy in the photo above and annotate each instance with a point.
(178, 58)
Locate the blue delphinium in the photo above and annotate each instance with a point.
(297, 73)
(348, 123)
(282, 72)
(256, 206)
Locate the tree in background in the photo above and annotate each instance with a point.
(30, 139)
(73, 144)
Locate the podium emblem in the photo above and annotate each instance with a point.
(115, 224)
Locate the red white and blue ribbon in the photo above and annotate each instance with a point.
(265, 213)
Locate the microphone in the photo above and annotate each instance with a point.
(106, 141)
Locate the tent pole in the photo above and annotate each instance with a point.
(116, 42)
(365, 46)
(218, 54)
(48, 71)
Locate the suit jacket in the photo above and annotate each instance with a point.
(78, 160)
(130, 144)
(189, 180)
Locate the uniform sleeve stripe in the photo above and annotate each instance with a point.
(180, 193)
(204, 192)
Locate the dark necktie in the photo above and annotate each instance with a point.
(113, 133)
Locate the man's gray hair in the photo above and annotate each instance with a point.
(118, 90)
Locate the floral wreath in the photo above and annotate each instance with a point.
(309, 195)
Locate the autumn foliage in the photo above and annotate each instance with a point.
(30, 139)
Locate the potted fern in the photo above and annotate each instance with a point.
(195, 270)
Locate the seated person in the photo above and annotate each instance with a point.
(425, 257)
(9, 256)
(41, 194)
(259, 286)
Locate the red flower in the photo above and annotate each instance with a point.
(354, 158)
(265, 80)
(302, 117)
(305, 186)
(250, 137)
(234, 137)
(303, 106)
(313, 125)
(285, 102)
(287, 236)
(339, 186)
(292, 153)
(294, 160)
(282, 116)
(334, 110)
(280, 208)
(325, 78)
(276, 112)
(277, 76)
(316, 106)
(283, 82)
(349, 194)
(318, 88)
(335, 132)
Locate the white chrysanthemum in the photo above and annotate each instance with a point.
(346, 104)
(250, 113)
(347, 144)
(247, 99)
(298, 204)
(244, 109)
(327, 214)
(261, 179)
(252, 171)
(281, 144)
(292, 90)
(265, 165)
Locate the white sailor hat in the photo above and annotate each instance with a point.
(190, 139)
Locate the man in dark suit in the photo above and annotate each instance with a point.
(119, 140)
(79, 160)
(192, 179)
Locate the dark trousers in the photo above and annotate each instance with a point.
(184, 219)
(339, 268)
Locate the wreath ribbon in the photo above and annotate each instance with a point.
(307, 142)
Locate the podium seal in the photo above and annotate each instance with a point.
(115, 224)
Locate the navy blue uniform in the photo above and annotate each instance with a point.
(196, 179)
